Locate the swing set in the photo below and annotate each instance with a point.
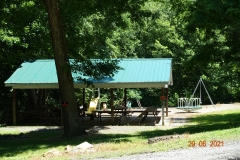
(193, 104)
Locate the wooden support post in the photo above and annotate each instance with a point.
(125, 100)
(163, 107)
(112, 106)
(83, 98)
(99, 100)
(45, 96)
(14, 107)
(167, 102)
(125, 97)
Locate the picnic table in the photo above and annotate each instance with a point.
(120, 108)
(144, 112)
(115, 112)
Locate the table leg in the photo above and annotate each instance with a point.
(144, 116)
(100, 116)
(154, 114)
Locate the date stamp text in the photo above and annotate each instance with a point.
(203, 143)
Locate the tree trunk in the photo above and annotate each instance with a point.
(71, 122)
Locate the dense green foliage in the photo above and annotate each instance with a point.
(201, 36)
(215, 26)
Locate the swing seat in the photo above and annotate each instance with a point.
(189, 108)
(192, 104)
(189, 105)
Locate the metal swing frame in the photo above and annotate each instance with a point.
(192, 104)
(199, 83)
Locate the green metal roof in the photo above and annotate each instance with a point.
(136, 73)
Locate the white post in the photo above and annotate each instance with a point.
(163, 105)
(162, 98)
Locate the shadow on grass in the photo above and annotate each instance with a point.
(51, 138)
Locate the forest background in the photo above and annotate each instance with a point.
(202, 37)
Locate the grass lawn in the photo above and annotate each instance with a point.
(222, 126)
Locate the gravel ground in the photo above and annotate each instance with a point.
(230, 151)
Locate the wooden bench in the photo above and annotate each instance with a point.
(148, 111)
(159, 116)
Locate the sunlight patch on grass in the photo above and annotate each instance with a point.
(219, 117)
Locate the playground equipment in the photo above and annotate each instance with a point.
(93, 105)
(139, 104)
(189, 104)
(192, 104)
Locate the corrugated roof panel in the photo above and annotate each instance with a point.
(136, 72)
(40, 71)
(141, 70)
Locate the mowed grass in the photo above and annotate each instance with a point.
(223, 126)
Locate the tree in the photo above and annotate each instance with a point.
(23, 37)
(217, 25)
(70, 117)
(200, 36)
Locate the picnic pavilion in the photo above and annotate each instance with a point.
(135, 73)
